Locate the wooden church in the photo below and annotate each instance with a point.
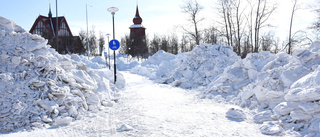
(137, 45)
(47, 28)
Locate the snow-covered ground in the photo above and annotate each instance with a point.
(150, 109)
(209, 91)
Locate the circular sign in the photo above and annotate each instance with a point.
(114, 44)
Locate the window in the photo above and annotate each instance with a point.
(40, 28)
(63, 30)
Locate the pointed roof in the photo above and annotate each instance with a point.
(50, 23)
(137, 19)
(137, 12)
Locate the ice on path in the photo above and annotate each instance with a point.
(160, 110)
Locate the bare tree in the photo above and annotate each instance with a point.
(263, 13)
(225, 11)
(183, 43)
(239, 31)
(92, 42)
(192, 8)
(173, 41)
(83, 39)
(300, 38)
(294, 8)
(210, 35)
(101, 43)
(123, 42)
(174, 44)
(230, 25)
(268, 41)
(164, 44)
(316, 25)
(249, 37)
(247, 48)
(276, 45)
(154, 44)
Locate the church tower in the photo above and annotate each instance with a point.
(137, 45)
(50, 13)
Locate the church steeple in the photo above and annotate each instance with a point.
(50, 14)
(137, 19)
(138, 45)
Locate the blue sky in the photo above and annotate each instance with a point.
(159, 17)
(25, 12)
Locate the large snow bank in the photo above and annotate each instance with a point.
(188, 70)
(204, 64)
(283, 89)
(288, 85)
(157, 66)
(39, 87)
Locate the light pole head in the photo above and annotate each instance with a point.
(89, 5)
(113, 10)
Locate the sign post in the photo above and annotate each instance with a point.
(114, 45)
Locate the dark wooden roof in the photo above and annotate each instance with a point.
(50, 23)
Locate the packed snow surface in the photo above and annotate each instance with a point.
(150, 109)
(40, 88)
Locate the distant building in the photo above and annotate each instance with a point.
(47, 28)
(138, 45)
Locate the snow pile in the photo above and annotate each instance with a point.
(188, 70)
(40, 87)
(204, 63)
(240, 74)
(278, 75)
(123, 63)
(282, 88)
(9, 26)
(157, 66)
(288, 87)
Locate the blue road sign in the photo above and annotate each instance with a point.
(114, 44)
(105, 54)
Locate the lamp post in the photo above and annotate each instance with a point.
(108, 50)
(113, 10)
(88, 50)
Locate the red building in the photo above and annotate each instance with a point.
(137, 28)
(47, 28)
(138, 45)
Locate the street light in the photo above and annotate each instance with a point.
(113, 10)
(88, 50)
(108, 50)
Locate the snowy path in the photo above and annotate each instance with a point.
(154, 110)
(161, 110)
